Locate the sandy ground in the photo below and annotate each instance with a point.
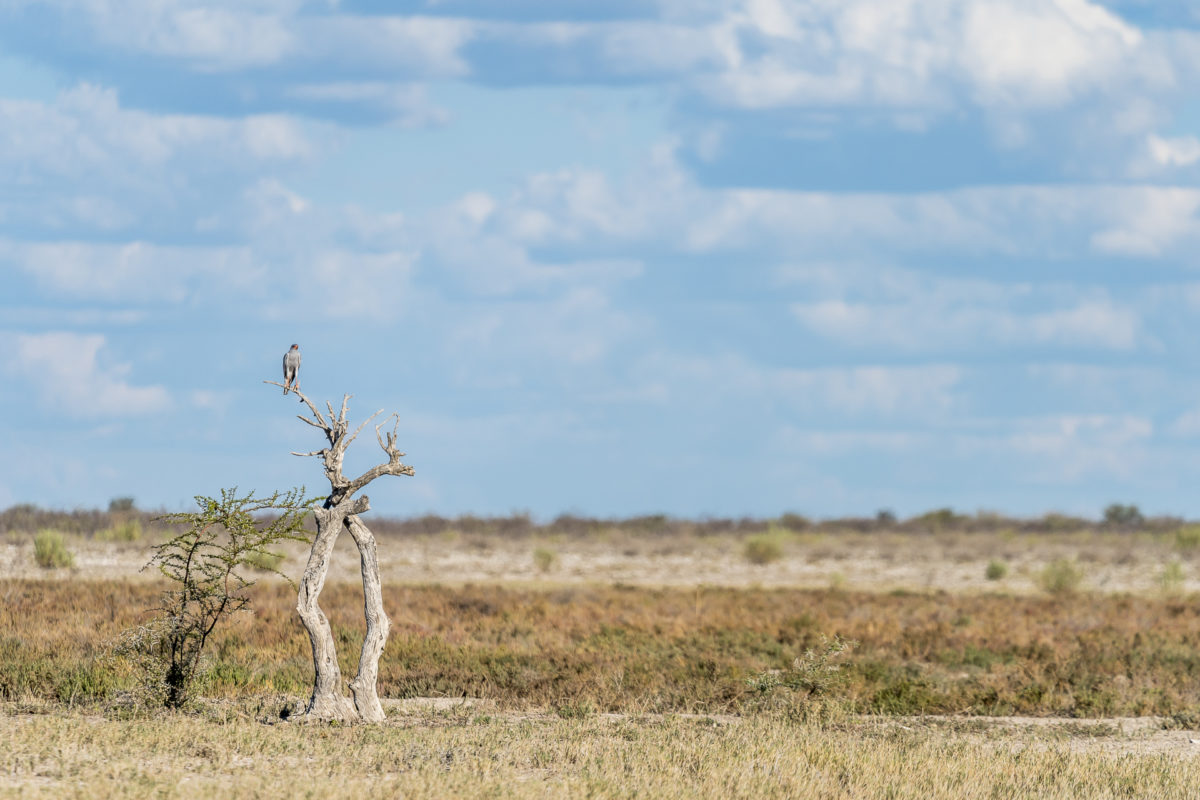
(878, 563)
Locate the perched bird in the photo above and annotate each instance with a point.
(291, 368)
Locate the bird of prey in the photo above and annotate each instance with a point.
(291, 368)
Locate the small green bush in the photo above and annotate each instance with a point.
(544, 558)
(1060, 576)
(1187, 538)
(1171, 579)
(128, 531)
(816, 680)
(1126, 517)
(794, 522)
(119, 504)
(996, 570)
(50, 549)
(764, 548)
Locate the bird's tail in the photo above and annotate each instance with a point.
(285, 389)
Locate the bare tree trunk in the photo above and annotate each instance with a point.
(328, 701)
(366, 700)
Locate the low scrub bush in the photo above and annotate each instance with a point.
(50, 549)
(128, 531)
(815, 680)
(1187, 538)
(1060, 576)
(996, 570)
(1171, 579)
(764, 548)
(544, 558)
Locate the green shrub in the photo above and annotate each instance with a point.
(1128, 517)
(939, 519)
(50, 549)
(544, 558)
(121, 504)
(764, 548)
(128, 531)
(816, 681)
(1171, 579)
(996, 570)
(794, 522)
(1060, 576)
(204, 563)
(1187, 538)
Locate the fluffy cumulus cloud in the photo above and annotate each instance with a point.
(69, 371)
(866, 248)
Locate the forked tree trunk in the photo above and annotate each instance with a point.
(328, 701)
(366, 699)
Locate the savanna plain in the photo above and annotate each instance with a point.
(943, 656)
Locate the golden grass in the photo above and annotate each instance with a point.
(453, 754)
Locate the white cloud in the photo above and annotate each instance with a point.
(276, 281)
(407, 104)
(88, 130)
(133, 272)
(1150, 222)
(921, 392)
(1023, 53)
(923, 326)
(877, 306)
(67, 372)
(1182, 151)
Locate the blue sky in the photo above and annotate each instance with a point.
(643, 256)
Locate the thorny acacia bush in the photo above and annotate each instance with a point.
(815, 679)
(205, 566)
(636, 650)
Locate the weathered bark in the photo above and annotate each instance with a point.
(328, 701)
(366, 700)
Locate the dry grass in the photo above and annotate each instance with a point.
(464, 753)
(634, 650)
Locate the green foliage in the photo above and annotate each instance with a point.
(765, 548)
(1187, 538)
(940, 518)
(50, 549)
(1060, 576)
(265, 562)
(816, 682)
(120, 504)
(1126, 517)
(544, 558)
(127, 531)
(996, 570)
(1171, 579)
(794, 522)
(204, 564)
(816, 672)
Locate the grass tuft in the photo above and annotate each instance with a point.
(50, 549)
(1187, 538)
(1171, 579)
(765, 548)
(544, 558)
(127, 531)
(996, 570)
(1061, 576)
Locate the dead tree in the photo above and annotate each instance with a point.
(341, 512)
